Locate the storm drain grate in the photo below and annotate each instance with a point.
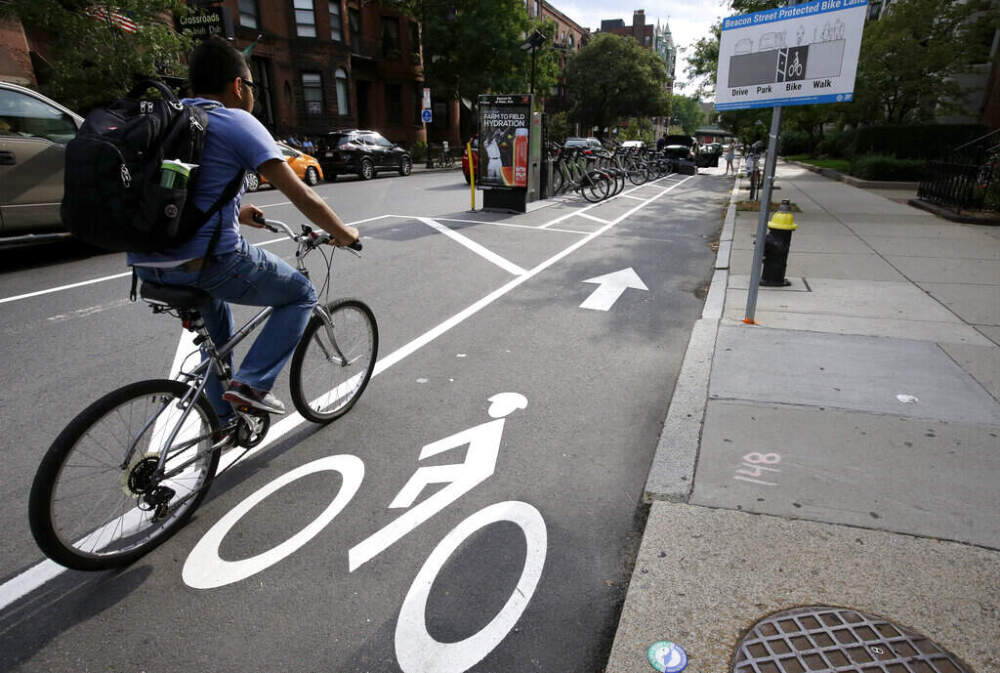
(838, 640)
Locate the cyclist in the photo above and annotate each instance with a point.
(234, 270)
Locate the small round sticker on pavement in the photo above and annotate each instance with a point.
(667, 657)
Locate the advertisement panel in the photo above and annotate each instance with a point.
(795, 55)
(504, 129)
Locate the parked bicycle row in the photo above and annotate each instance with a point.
(598, 174)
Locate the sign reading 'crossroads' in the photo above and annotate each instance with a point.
(794, 55)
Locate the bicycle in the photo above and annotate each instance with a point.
(131, 468)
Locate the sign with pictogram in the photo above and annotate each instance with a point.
(795, 55)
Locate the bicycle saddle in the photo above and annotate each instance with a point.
(177, 296)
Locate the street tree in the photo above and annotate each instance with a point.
(613, 78)
(910, 56)
(686, 113)
(472, 47)
(94, 55)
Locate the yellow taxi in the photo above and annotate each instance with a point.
(302, 164)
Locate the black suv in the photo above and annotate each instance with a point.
(364, 153)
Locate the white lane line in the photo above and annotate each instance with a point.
(595, 219)
(629, 196)
(483, 252)
(129, 273)
(533, 227)
(40, 574)
(64, 287)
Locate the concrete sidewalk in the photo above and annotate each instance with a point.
(843, 452)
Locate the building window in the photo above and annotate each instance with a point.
(343, 106)
(538, 9)
(336, 23)
(354, 19)
(414, 37)
(312, 92)
(394, 103)
(571, 39)
(248, 13)
(390, 38)
(305, 18)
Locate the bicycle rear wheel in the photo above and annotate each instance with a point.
(331, 368)
(97, 502)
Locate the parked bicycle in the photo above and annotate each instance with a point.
(131, 468)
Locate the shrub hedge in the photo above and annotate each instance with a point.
(916, 141)
(882, 167)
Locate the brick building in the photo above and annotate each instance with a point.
(320, 64)
(333, 63)
(569, 38)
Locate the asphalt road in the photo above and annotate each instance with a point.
(518, 561)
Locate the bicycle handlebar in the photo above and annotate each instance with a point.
(308, 236)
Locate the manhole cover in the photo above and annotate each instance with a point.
(835, 639)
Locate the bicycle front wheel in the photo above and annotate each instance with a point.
(98, 500)
(333, 363)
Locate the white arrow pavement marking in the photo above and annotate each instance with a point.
(612, 286)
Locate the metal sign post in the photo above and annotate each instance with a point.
(765, 207)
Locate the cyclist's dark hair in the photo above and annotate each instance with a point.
(213, 64)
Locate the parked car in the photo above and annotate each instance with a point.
(684, 152)
(303, 165)
(34, 131)
(710, 153)
(589, 145)
(634, 144)
(362, 152)
(475, 158)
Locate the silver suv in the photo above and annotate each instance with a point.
(34, 131)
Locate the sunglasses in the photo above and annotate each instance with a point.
(252, 85)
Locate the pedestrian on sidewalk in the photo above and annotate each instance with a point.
(730, 155)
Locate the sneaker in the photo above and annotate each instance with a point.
(241, 393)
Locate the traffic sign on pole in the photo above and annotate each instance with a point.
(425, 116)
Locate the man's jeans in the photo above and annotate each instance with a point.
(252, 277)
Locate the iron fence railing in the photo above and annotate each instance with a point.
(968, 179)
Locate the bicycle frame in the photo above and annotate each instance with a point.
(215, 358)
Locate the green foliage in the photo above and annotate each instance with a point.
(559, 126)
(909, 58)
(927, 141)
(95, 62)
(638, 129)
(881, 167)
(839, 143)
(686, 113)
(794, 142)
(472, 47)
(419, 152)
(612, 78)
(704, 61)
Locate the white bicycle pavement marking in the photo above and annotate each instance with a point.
(45, 571)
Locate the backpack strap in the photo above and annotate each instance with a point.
(228, 194)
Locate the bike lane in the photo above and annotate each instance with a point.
(595, 386)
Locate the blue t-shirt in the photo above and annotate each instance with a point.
(235, 141)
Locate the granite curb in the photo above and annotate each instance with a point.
(671, 474)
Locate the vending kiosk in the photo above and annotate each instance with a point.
(509, 151)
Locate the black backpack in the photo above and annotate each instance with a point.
(113, 198)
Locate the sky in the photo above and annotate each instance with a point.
(689, 21)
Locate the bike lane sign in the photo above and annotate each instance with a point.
(796, 55)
